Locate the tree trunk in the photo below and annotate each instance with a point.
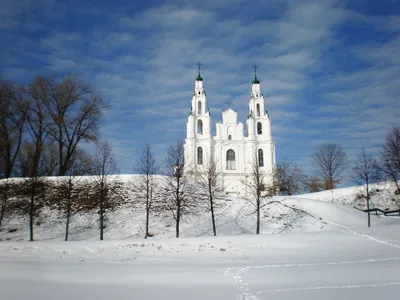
(4, 200)
(61, 172)
(212, 209)
(101, 211)
(369, 214)
(178, 206)
(147, 224)
(394, 178)
(69, 205)
(2, 210)
(7, 169)
(213, 220)
(177, 225)
(101, 224)
(258, 216)
(178, 219)
(147, 206)
(32, 211)
(67, 223)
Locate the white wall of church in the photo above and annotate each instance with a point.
(245, 141)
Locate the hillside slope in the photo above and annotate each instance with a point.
(382, 196)
(309, 212)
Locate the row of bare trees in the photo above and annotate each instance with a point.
(331, 163)
(368, 169)
(42, 126)
(69, 194)
(176, 194)
(179, 196)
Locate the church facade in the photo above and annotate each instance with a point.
(236, 147)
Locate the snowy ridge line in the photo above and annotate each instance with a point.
(372, 285)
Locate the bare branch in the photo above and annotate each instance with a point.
(289, 177)
(147, 168)
(179, 194)
(390, 156)
(256, 184)
(104, 165)
(330, 161)
(365, 172)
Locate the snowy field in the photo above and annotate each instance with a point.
(310, 248)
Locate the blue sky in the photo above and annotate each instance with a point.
(329, 69)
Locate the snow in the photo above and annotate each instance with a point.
(310, 248)
(382, 196)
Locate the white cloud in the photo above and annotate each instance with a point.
(145, 61)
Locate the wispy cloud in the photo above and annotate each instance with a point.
(328, 69)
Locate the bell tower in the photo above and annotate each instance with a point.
(256, 103)
(198, 142)
(199, 101)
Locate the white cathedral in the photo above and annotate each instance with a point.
(234, 148)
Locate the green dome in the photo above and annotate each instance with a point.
(256, 81)
(199, 78)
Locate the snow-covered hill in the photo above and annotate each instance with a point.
(382, 196)
(325, 251)
(321, 211)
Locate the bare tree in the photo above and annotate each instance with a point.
(37, 126)
(4, 187)
(13, 109)
(288, 177)
(75, 111)
(211, 184)
(48, 165)
(258, 187)
(330, 161)
(312, 184)
(70, 188)
(366, 172)
(390, 156)
(7, 190)
(33, 188)
(178, 192)
(104, 165)
(147, 168)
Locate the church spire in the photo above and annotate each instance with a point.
(199, 78)
(255, 81)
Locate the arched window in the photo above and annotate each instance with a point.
(230, 160)
(259, 128)
(260, 158)
(200, 127)
(199, 156)
(229, 137)
(258, 109)
(199, 107)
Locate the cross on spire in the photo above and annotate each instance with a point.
(198, 76)
(229, 102)
(255, 81)
(199, 65)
